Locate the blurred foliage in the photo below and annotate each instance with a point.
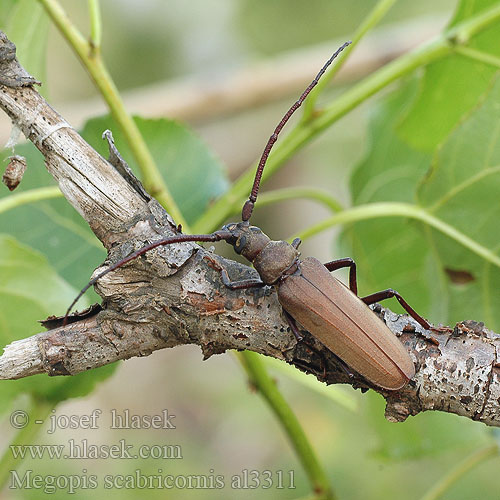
(318, 20)
(30, 290)
(27, 25)
(192, 172)
(458, 181)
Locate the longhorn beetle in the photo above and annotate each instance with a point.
(308, 293)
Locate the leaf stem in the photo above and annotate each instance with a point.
(479, 56)
(267, 388)
(373, 18)
(93, 63)
(455, 474)
(395, 209)
(294, 193)
(441, 46)
(29, 196)
(95, 25)
(39, 410)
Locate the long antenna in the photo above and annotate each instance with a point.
(180, 238)
(246, 213)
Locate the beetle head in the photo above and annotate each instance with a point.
(247, 240)
(271, 259)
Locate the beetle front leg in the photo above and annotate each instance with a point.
(387, 294)
(234, 285)
(341, 263)
(240, 285)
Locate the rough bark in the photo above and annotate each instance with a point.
(173, 296)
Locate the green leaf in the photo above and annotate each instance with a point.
(458, 184)
(452, 86)
(462, 189)
(390, 252)
(58, 231)
(27, 25)
(193, 174)
(6, 7)
(31, 290)
(438, 276)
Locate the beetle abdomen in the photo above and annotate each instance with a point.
(345, 325)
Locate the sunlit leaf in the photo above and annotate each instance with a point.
(451, 86)
(193, 174)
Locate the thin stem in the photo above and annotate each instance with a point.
(277, 195)
(335, 393)
(39, 411)
(373, 18)
(437, 48)
(395, 209)
(479, 55)
(267, 388)
(30, 196)
(455, 474)
(95, 25)
(91, 60)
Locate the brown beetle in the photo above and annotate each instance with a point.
(308, 293)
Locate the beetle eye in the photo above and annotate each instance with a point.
(240, 244)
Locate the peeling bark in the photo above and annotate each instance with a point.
(172, 296)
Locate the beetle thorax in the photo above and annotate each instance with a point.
(271, 259)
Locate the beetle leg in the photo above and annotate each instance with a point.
(233, 285)
(387, 294)
(240, 285)
(293, 327)
(347, 262)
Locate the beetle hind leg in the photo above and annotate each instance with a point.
(387, 294)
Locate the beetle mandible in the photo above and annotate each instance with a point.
(308, 293)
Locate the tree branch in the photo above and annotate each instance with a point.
(173, 296)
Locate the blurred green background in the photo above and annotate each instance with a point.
(162, 55)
